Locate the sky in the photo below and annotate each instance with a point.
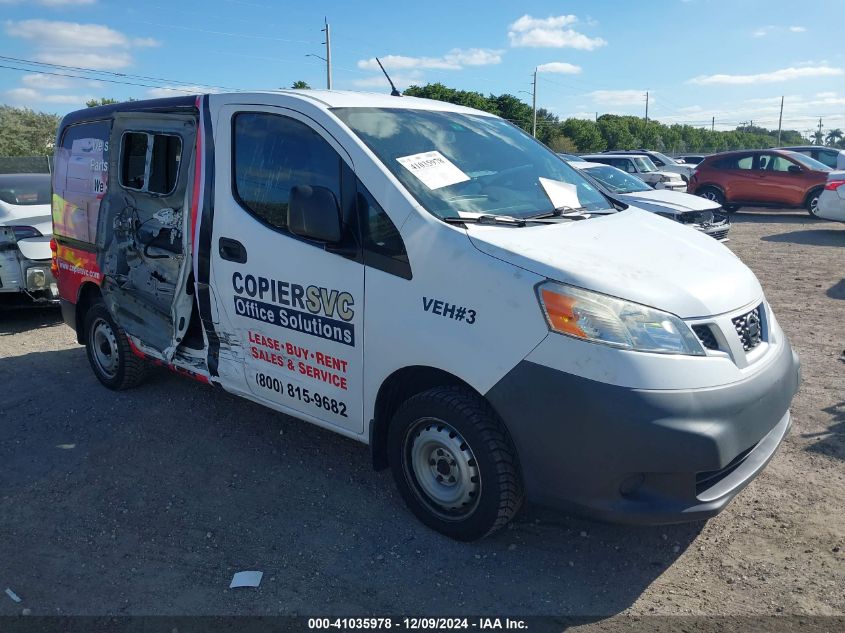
(697, 59)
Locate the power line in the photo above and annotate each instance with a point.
(101, 72)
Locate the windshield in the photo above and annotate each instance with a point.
(616, 180)
(644, 164)
(458, 163)
(666, 159)
(809, 163)
(25, 189)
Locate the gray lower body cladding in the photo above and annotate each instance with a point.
(643, 456)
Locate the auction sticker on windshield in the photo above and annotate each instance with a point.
(433, 169)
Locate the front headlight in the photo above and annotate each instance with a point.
(604, 319)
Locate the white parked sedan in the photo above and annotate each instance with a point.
(699, 213)
(832, 201)
(642, 167)
(25, 232)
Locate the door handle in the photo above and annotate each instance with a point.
(232, 250)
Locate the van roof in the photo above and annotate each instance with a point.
(325, 99)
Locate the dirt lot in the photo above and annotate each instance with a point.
(147, 501)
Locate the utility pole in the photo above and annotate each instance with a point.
(713, 124)
(328, 33)
(534, 105)
(780, 119)
(646, 108)
(820, 139)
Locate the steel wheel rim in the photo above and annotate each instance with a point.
(709, 195)
(104, 348)
(814, 205)
(441, 469)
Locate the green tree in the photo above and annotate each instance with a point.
(300, 85)
(440, 92)
(93, 103)
(561, 143)
(24, 132)
(613, 131)
(834, 136)
(585, 134)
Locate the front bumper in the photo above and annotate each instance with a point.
(717, 230)
(643, 456)
(671, 185)
(21, 275)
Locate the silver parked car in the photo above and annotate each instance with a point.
(832, 201)
(699, 213)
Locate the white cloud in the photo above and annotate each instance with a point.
(52, 3)
(776, 76)
(770, 28)
(71, 35)
(40, 81)
(453, 60)
(551, 32)
(105, 60)
(73, 44)
(563, 68)
(620, 97)
(30, 96)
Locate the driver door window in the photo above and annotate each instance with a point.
(271, 155)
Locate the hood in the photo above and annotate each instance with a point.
(35, 247)
(663, 200)
(632, 254)
(669, 174)
(681, 168)
(26, 215)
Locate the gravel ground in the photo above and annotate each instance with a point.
(147, 501)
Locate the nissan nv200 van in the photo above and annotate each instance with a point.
(430, 280)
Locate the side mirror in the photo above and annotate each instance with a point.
(794, 169)
(313, 212)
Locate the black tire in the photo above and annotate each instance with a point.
(731, 208)
(474, 448)
(811, 202)
(109, 353)
(712, 193)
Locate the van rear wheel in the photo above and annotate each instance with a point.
(109, 353)
(454, 463)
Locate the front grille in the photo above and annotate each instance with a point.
(719, 235)
(708, 479)
(697, 217)
(749, 328)
(705, 335)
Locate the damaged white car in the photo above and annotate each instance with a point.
(25, 233)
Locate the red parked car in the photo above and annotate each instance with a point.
(762, 178)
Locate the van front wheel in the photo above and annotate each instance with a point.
(109, 354)
(454, 463)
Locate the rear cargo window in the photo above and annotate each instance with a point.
(80, 179)
(150, 162)
(273, 154)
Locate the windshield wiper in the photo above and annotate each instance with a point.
(573, 212)
(500, 220)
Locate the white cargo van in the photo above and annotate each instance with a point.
(430, 280)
